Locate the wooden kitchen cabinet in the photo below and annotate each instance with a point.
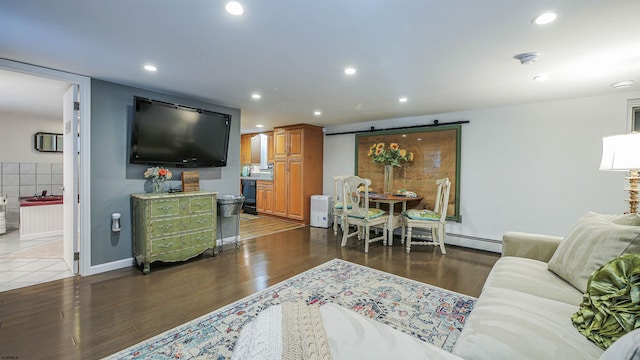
(295, 142)
(245, 149)
(296, 201)
(297, 172)
(264, 196)
(279, 187)
(280, 143)
(270, 152)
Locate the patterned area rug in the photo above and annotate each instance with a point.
(427, 312)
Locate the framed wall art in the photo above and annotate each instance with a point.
(431, 152)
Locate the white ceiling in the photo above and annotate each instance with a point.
(27, 94)
(444, 55)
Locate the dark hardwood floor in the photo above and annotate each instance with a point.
(95, 316)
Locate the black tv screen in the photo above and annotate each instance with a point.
(175, 135)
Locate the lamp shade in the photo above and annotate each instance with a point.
(621, 152)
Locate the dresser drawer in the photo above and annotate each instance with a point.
(170, 244)
(161, 228)
(200, 221)
(202, 238)
(165, 207)
(201, 204)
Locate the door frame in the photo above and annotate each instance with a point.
(84, 189)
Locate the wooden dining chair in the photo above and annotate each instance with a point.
(337, 203)
(435, 219)
(356, 211)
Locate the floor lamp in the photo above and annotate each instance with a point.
(622, 153)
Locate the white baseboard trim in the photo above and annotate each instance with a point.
(39, 235)
(119, 264)
(114, 265)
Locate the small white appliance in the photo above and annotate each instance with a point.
(3, 211)
(321, 214)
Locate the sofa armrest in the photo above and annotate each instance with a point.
(533, 246)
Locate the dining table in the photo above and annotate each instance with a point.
(395, 220)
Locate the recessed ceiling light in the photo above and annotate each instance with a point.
(234, 8)
(350, 70)
(527, 58)
(623, 84)
(541, 77)
(317, 113)
(544, 18)
(150, 68)
(403, 99)
(256, 96)
(259, 126)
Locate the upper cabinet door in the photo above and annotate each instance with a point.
(270, 147)
(295, 142)
(256, 143)
(245, 149)
(280, 140)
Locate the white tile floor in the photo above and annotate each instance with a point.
(20, 272)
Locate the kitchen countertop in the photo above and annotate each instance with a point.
(261, 177)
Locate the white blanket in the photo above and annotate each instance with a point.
(350, 336)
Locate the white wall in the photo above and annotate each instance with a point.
(523, 168)
(16, 138)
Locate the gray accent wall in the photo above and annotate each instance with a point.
(113, 179)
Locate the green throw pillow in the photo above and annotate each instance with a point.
(611, 306)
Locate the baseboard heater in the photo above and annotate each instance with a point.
(468, 241)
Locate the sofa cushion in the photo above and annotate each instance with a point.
(508, 324)
(532, 277)
(593, 241)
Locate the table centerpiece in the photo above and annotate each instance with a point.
(391, 156)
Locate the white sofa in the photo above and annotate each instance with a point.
(524, 311)
(526, 305)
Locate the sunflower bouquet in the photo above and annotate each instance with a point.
(392, 155)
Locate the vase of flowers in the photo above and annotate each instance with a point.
(390, 157)
(158, 175)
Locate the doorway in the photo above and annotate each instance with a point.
(47, 250)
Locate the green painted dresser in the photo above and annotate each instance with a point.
(173, 227)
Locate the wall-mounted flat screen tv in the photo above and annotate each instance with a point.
(175, 135)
